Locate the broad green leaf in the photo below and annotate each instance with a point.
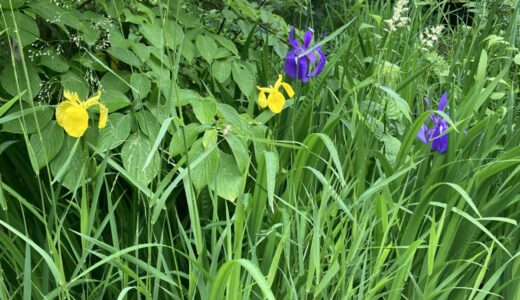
(31, 84)
(226, 43)
(114, 100)
(174, 34)
(115, 133)
(221, 69)
(69, 166)
(178, 145)
(206, 170)
(209, 139)
(46, 146)
(228, 180)
(239, 149)
(28, 120)
(206, 47)
(399, 102)
(204, 109)
(134, 153)
(27, 28)
(116, 81)
(142, 85)
(125, 55)
(54, 61)
(244, 78)
(153, 33)
(148, 123)
(237, 123)
(72, 81)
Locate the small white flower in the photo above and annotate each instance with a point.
(399, 18)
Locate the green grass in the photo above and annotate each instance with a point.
(193, 192)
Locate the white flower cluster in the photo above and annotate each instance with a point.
(431, 35)
(399, 18)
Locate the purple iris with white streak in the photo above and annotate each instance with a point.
(436, 134)
(303, 67)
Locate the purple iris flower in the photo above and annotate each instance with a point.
(435, 135)
(303, 67)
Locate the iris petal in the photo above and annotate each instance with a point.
(262, 100)
(75, 120)
(288, 89)
(276, 101)
(443, 101)
(293, 42)
(421, 135)
(103, 116)
(307, 38)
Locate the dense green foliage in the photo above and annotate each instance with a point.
(192, 191)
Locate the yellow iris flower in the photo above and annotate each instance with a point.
(72, 115)
(276, 100)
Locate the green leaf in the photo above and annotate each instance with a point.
(177, 145)
(142, 85)
(180, 97)
(27, 27)
(239, 149)
(399, 102)
(206, 47)
(174, 34)
(204, 109)
(125, 55)
(32, 85)
(228, 180)
(46, 146)
(134, 153)
(226, 43)
(142, 51)
(153, 33)
(209, 139)
(12, 3)
(148, 123)
(221, 70)
(115, 133)
(69, 170)
(117, 81)
(114, 100)
(28, 120)
(72, 81)
(205, 171)
(54, 61)
(244, 78)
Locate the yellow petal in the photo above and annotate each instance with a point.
(288, 89)
(262, 100)
(276, 102)
(103, 116)
(92, 100)
(264, 89)
(278, 82)
(60, 110)
(74, 119)
(71, 96)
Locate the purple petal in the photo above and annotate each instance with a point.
(303, 67)
(427, 102)
(307, 38)
(440, 140)
(292, 41)
(440, 144)
(443, 102)
(321, 63)
(295, 67)
(291, 67)
(421, 135)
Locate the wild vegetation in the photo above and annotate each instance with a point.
(170, 149)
